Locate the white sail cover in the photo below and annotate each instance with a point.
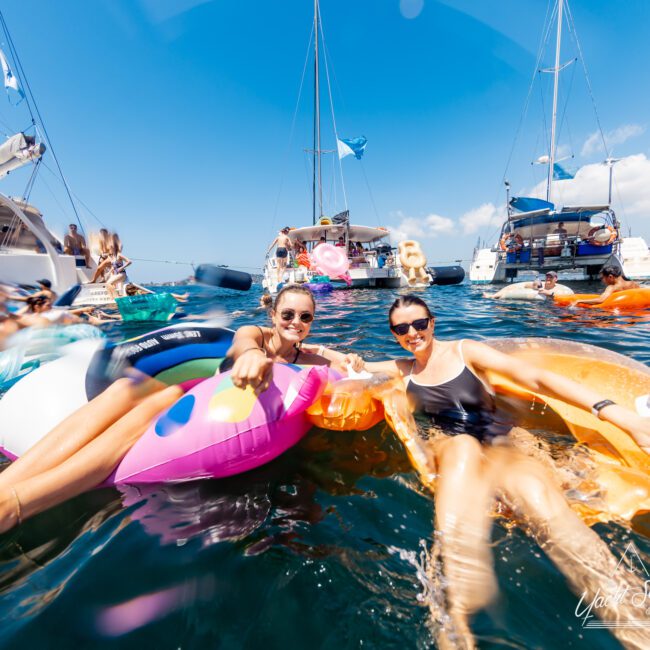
(18, 150)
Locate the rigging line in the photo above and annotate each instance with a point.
(566, 103)
(292, 130)
(372, 198)
(548, 21)
(19, 67)
(92, 214)
(38, 114)
(545, 133)
(540, 53)
(329, 93)
(584, 68)
(32, 179)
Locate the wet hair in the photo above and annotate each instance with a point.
(612, 270)
(131, 290)
(407, 301)
(294, 288)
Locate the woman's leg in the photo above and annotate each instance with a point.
(86, 468)
(463, 502)
(78, 429)
(576, 550)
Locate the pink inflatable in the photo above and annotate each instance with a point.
(331, 260)
(218, 430)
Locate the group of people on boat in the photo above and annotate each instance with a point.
(474, 449)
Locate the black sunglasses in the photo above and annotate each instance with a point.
(290, 314)
(419, 325)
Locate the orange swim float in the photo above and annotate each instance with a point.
(627, 299)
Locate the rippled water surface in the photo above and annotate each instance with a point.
(322, 548)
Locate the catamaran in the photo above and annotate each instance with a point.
(373, 262)
(29, 251)
(539, 236)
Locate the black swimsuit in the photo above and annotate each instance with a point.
(460, 405)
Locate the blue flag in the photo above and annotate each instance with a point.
(10, 79)
(354, 146)
(561, 174)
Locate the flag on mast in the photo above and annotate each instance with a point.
(561, 174)
(351, 146)
(11, 81)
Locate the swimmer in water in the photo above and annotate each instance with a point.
(613, 278)
(475, 464)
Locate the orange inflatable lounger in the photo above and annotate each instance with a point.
(628, 299)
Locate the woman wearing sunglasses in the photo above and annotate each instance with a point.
(255, 349)
(475, 464)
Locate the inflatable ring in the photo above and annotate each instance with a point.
(519, 291)
(414, 261)
(621, 468)
(183, 354)
(629, 299)
(503, 242)
(330, 260)
(601, 241)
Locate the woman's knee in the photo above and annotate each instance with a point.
(460, 452)
(529, 486)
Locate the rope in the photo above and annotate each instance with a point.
(292, 130)
(589, 88)
(329, 93)
(27, 87)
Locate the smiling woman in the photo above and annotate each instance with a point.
(255, 348)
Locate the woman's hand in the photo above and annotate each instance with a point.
(638, 427)
(252, 368)
(354, 361)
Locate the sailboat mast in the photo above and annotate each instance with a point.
(556, 75)
(317, 184)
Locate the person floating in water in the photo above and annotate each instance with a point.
(613, 277)
(475, 463)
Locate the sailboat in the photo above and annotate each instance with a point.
(538, 235)
(29, 251)
(374, 263)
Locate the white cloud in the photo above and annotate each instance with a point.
(590, 185)
(485, 215)
(594, 144)
(426, 228)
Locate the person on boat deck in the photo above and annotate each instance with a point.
(322, 240)
(299, 247)
(282, 245)
(613, 277)
(340, 242)
(255, 349)
(75, 244)
(471, 451)
(116, 262)
(561, 231)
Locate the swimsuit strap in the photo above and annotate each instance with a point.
(297, 353)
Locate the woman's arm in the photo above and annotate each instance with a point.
(338, 360)
(252, 367)
(126, 260)
(272, 245)
(483, 357)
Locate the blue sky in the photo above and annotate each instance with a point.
(172, 119)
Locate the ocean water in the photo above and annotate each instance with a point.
(323, 548)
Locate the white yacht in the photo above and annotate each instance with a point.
(379, 266)
(538, 235)
(29, 251)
